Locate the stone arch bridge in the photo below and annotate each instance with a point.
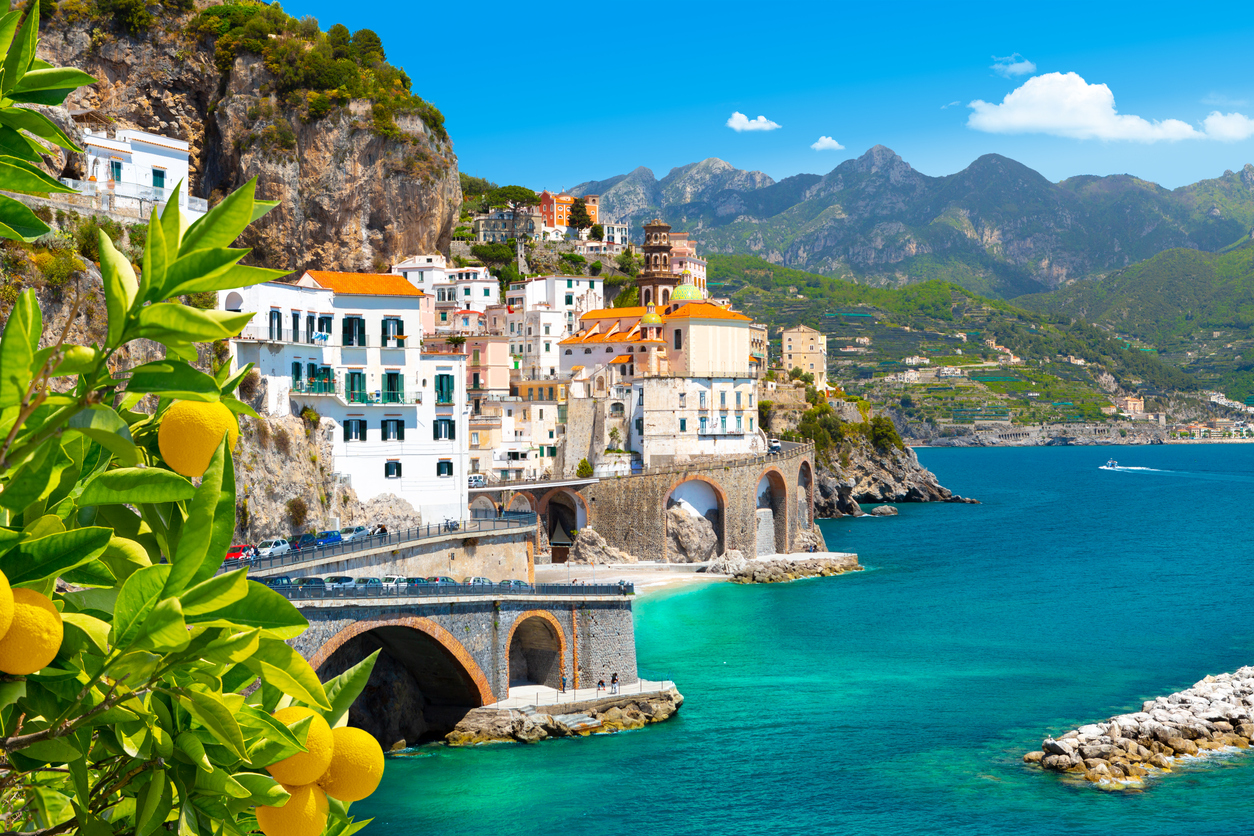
(441, 657)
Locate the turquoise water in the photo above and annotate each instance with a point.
(901, 699)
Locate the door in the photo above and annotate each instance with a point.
(158, 178)
(393, 388)
(356, 387)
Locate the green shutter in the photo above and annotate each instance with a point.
(347, 330)
(400, 430)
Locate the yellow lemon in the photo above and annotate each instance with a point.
(6, 605)
(304, 767)
(356, 765)
(34, 636)
(304, 814)
(191, 431)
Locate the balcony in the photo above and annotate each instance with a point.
(129, 198)
(335, 388)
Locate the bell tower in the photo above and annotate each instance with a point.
(656, 281)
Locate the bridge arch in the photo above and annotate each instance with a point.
(771, 502)
(700, 496)
(805, 494)
(423, 682)
(522, 502)
(562, 512)
(536, 649)
(483, 508)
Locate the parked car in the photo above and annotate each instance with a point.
(310, 583)
(240, 551)
(773, 446)
(416, 582)
(326, 538)
(354, 532)
(340, 582)
(303, 541)
(367, 583)
(395, 581)
(515, 585)
(476, 480)
(441, 580)
(279, 582)
(478, 581)
(273, 548)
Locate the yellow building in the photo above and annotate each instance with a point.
(804, 348)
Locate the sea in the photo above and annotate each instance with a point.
(900, 700)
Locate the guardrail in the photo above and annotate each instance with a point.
(433, 531)
(436, 590)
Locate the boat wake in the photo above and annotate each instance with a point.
(1123, 469)
(1214, 476)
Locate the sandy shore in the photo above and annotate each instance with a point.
(649, 578)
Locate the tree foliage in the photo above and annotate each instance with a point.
(597, 232)
(584, 470)
(513, 198)
(579, 217)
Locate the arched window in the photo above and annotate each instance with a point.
(648, 296)
(665, 262)
(609, 349)
(679, 339)
(568, 352)
(666, 296)
(587, 351)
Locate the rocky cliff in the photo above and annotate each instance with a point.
(351, 197)
(869, 475)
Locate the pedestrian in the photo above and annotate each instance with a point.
(600, 685)
(614, 684)
(563, 683)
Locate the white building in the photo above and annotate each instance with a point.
(534, 337)
(453, 288)
(137, 169)
(349, 346)
(572, 296)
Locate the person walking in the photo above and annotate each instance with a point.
(614, 684)
(600, 686)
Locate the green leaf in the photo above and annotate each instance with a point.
(22, 176)
(133, 485)
(261, 607)
(21, 51)
(197, 271)
(120, 287)
(21, 118)
(18, 222)
(238, 407)
(219, 782)
(279, 741)
(89, 628)
(196, 539)
(139, 595)
(173, 379)
(223, 530)
(105, 427)
(47, 557)
(190, 745)
(287, 670)
(94, 573)
(164, 630)
(170, 322)
(8, 28)
(231, 649)
(36, 478)
(215, 593)
(125, 557)
(18, 347)
(156, 253)
(224, 222)
(263, 789)
(53, 78)
(153, 804)
(171, 224)
(211, 713)
(345, 688)
(11, 692)
(53, 750)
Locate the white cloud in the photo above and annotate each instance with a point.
(1220, 100)
(951, 104)
(826, 143)
(1231, 127)
(739, 122)
(1066, 105)
(1012, 65)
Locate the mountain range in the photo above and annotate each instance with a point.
(997, 227)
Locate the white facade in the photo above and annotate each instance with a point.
(454, 288)
(396, 416)
(676, 419)
(144, 168)
(534, 337)
(572, 296)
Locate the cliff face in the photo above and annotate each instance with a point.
(350, 199)
(868, 475)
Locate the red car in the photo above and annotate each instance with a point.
(243, 551)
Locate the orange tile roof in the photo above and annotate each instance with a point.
(622, 358)
(702, 310)
(364, 284)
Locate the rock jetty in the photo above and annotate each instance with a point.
(531, 724)
(784, 569)
(1216, 714)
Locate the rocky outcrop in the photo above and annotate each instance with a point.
(591, 548)
(691, 538)
(732, 563)
(884, 511)
(607, 715)
(809, 540)
(350, 198)
(1216, 714)
(783, 570)
(870, 475)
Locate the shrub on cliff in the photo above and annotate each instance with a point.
(584, 470)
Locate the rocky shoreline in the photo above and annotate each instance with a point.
(1215, 715)
(867, 475)
(782, 570)
(607, 715)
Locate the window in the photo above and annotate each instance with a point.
(640, 426)
(324, 324)
(682, 399)
(486, 292)
(702, 394)
(295, 327)
(609, 349)
(391, 470)
(444, 429)
(475, 355)
(550, 434)
(570, 283)
(354, 329)
(296, 374)
(393, 429)
(552, 452)
(723, 423)
(679, 339)
(640, 397)
(115, 171)
(356, 387)
(587, 351)
(310, 327)
(474, 383)
(722, 400)
(354, 429)
(444, 316)
(276, 325)
(550, 393)
(703, 421)
(465, 291)
(683, 425)
(737, 400)
(511, 327)
(750, 425)
(158, 178)
(393, 330)
(444, 388)
(546, 346)
(474, 439)
(739, 426)
(570, 298)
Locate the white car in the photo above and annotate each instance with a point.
(270, 548)
(355, 532)
(476, 480)
(395, 581)
(340, 582)
(774, 446)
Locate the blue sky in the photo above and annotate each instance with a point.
(549, 96)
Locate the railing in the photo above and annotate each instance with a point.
(396, 539)
(262, 332)
(335, 388)
(131, 191)
(439, 590)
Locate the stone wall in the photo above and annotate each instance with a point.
(630, 512)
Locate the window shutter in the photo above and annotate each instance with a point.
(348, 430)
(435, 430)
(452, 430)
(348, 330)
(400, 430)
(398, 469)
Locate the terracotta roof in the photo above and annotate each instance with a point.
(702, 310)
(469, 311)
(364, 284)
(622, 358)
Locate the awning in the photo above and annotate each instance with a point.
(576, 368)
(622, 358)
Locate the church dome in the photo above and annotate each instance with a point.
(651, 318)
(687, 293)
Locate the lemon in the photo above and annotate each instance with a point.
(356, 765)
(34, 635)
(304, 814)
(308, 766)
(6, 604)
(191, 431)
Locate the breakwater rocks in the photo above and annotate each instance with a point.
(791, 569)
(531, 725)
(1216, 714)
